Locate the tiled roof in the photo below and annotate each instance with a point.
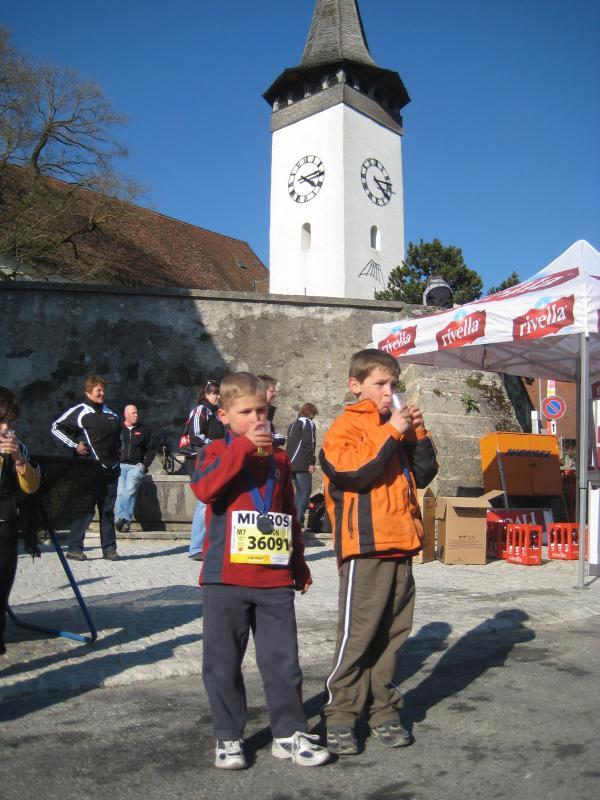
(145, 248)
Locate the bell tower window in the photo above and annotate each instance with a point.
(375, 238)
(305, 236)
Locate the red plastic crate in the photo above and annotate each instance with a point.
(563, 541)
(523, 544)
(495, 541)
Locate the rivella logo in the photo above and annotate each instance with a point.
(462, 331)
(400, 341)
(545, 320)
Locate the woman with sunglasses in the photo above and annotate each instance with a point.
(205, 426)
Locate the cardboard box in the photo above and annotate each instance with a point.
(427, 505)
(462, 528)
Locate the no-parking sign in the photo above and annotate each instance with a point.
(553, 407)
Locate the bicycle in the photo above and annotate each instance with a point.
(169, 460)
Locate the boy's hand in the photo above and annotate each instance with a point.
(260, 434)
(401, 419)
(303, 589)
(417, 417)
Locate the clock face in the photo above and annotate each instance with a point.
(376, 182)
(306, 179)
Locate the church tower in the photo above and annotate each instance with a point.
(337, 211)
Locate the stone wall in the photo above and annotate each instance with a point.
(156, 348)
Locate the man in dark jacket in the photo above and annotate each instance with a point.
(301, 441)
(92, 430)
(137, 453)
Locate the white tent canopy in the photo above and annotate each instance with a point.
(545, 327)
(527, 330)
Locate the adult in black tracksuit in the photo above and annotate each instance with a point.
(301, 442)
(93, 431)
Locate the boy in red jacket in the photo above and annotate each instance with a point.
(253, 561)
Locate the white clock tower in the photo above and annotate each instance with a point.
(337, 211)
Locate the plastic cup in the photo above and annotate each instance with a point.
(398, 400)
(263, 452)
(5, 441)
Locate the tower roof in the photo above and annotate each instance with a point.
(336, 34)
(336, 52)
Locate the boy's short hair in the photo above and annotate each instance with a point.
(268, 380)
(92, 381)
(240, 384)
(365, 361)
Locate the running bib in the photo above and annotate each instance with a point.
(250, 546)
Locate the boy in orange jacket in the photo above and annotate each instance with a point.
(373, 458)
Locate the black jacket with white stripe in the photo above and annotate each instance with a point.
(94, 424)
(301, 444)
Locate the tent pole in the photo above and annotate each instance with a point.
(583, 392)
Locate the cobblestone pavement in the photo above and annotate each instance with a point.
(147, 608)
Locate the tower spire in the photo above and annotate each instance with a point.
(336, 67)
(336, 34)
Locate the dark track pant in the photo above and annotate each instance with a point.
(104, 499)
(375, 613)
(229, 613)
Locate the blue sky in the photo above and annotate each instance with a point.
(501, 147)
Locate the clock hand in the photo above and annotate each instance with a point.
(385, 186)
(316, 174)
(307, 179)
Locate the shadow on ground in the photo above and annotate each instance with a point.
(486, 646)
(122, 620)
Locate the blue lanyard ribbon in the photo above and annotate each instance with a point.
(262, 505)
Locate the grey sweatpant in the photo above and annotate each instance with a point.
(229, 613)
(375, 612)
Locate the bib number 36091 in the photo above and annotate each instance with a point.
(250, 546)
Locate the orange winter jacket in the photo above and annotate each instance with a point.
(370, 488)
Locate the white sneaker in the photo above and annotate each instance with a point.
(301, 748)
(229, 754)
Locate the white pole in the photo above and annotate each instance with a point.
(583, 395)
(594, 499)
(594, 529)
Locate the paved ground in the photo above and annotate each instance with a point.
(504, 716)
(148, 612)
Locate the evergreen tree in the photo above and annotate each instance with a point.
(512, 280)
(408, 280)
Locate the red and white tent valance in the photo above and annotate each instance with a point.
(525, 330)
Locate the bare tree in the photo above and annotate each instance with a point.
(58, 179)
